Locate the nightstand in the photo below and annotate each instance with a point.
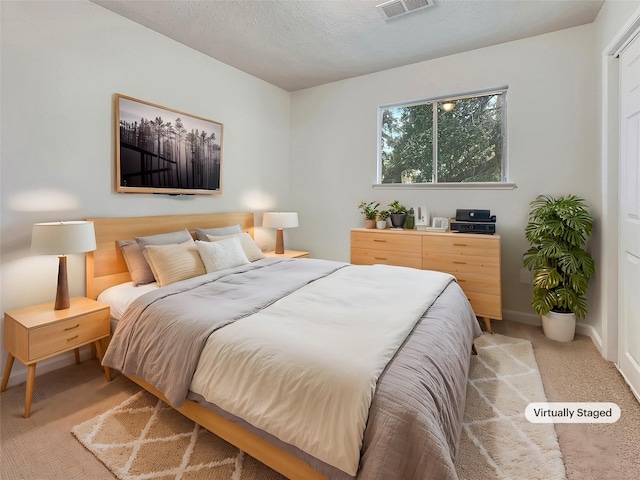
(287, 254)
(33, 334)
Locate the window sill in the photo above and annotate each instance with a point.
(446, 186)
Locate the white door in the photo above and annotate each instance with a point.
(629, 257)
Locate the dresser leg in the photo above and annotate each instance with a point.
(76, 351)
(7, 372)
(107, 372)
(31, 376)
(487, 324)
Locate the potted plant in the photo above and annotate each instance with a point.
(557, 231)
(381, 222)
(370, 211)
(397, 213)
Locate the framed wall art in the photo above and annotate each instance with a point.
(161, 150)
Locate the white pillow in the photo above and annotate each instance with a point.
(221, 255)
(251, 250)
(172, 263)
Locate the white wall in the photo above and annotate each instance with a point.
(552, 144)
(61, 64)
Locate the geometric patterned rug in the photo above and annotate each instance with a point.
(497, 441)
(143, 438)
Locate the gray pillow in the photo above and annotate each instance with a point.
(138, 267)
(201, 233)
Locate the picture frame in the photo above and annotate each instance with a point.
(165, 151)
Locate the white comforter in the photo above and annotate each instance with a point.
(305, 368)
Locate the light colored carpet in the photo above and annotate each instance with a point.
(143, 438)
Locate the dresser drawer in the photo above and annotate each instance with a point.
(386, 241)
(68, 334)
(479, 283)
(485, 305)
(455, 264)
(363, 256)
(479, 245)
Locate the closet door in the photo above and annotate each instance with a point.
(629, 248)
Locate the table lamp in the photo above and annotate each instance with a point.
(280, 220)
(61, 238)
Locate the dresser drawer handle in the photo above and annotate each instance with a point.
(71, 328)
(72, 338)
(379, 258)
(459, 244)
(381, 241)
(459, 263)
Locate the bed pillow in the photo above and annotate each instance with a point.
(175, 262)
(180, 236)
(251, 250)
(221, 255)
(170, 238)
(139, 269)
(201, 233)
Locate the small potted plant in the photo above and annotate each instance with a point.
(370, 211)
(557, 230)
(381, 222)
(397, 213)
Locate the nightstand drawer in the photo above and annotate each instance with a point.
(68, 334)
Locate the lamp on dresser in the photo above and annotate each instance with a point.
(279, 221)
(62, 238)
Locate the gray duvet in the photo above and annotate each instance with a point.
(416, 414)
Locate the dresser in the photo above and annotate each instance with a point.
(473, 259)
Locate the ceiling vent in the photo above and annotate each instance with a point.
(396, 8)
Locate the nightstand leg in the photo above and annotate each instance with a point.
(31, 376)
(107, 372)
(487, 323)
(7, 372)
(77, 353)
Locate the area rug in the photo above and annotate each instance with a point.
(497, 441)
(143, 438)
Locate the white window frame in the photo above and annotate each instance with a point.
(504, 184)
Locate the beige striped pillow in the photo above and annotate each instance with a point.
(172, 263)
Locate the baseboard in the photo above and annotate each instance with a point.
(521, 317)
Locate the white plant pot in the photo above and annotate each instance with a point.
(381, 224)
(560, 327)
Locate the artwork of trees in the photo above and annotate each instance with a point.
(157, 153)
(469, 141)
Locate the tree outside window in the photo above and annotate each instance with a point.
(453, 140)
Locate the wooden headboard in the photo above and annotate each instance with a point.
(106, 266)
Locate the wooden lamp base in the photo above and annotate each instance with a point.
(62, 292)
(279, 242)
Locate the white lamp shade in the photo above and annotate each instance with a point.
(280, 219)
(61, 238)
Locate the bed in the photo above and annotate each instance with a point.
(413, 388)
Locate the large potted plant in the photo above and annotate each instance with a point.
(557, 231)
(370, 211)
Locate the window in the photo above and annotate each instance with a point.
(451, 140)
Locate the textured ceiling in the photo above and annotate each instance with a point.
(296, 44)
